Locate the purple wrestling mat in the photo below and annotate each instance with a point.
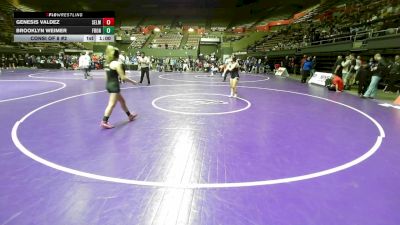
(283, 153)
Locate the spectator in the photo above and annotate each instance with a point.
(285, 62)
(363, 77)
(303, 60)
(378, 72)
(394, 75)
(314, 65)
(346, 69)
(337, 68)
(33, 59)
(12, 60)
(27, 60)
(21, 61)
(337, 84)
(84, 63)
(3, 61)
(358, 66)
(352, 71)
(160, 64)
(307, 66)
(186, 64)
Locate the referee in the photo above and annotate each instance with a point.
(144, 63)
(84, 64)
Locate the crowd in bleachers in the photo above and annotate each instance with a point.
(342, 24)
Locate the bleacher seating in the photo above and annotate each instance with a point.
(169, 40)
(234, 37)
(6, 15)
(347, 23)
(140, 40)
(193, 41)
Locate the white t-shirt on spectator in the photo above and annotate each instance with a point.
(346, 66)
(84, 61)
(144, 62)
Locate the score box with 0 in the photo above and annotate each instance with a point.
(108, 30)
(108, 21)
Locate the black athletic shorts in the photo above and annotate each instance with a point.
(113, 87)
(234, 75)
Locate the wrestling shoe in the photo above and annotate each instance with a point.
(106, 125)
(132, 116)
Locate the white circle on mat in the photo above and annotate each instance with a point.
(369, 153)
(74, 75)
(163, 76)
(154, 103)
(206, 76)
(63, 85)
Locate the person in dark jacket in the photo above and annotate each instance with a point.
(314, 65)
(3, 62)
(363, 77)
(302, 61)
(337, 68)
(307, 66)
(394, 75)
(285, 62)
(378, 72)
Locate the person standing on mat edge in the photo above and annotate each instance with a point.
(302, 61)
(307, 66)
(225, 68)
(84, 63)
(378, 72)
(349, 71)
(337, 68)
(394, 75)
(114, 70)
(314, 65)
(233, 69)
(363, 76)
(144, 63)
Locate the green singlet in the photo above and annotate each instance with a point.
(112, 85)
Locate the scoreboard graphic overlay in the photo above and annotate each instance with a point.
(64, 26)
